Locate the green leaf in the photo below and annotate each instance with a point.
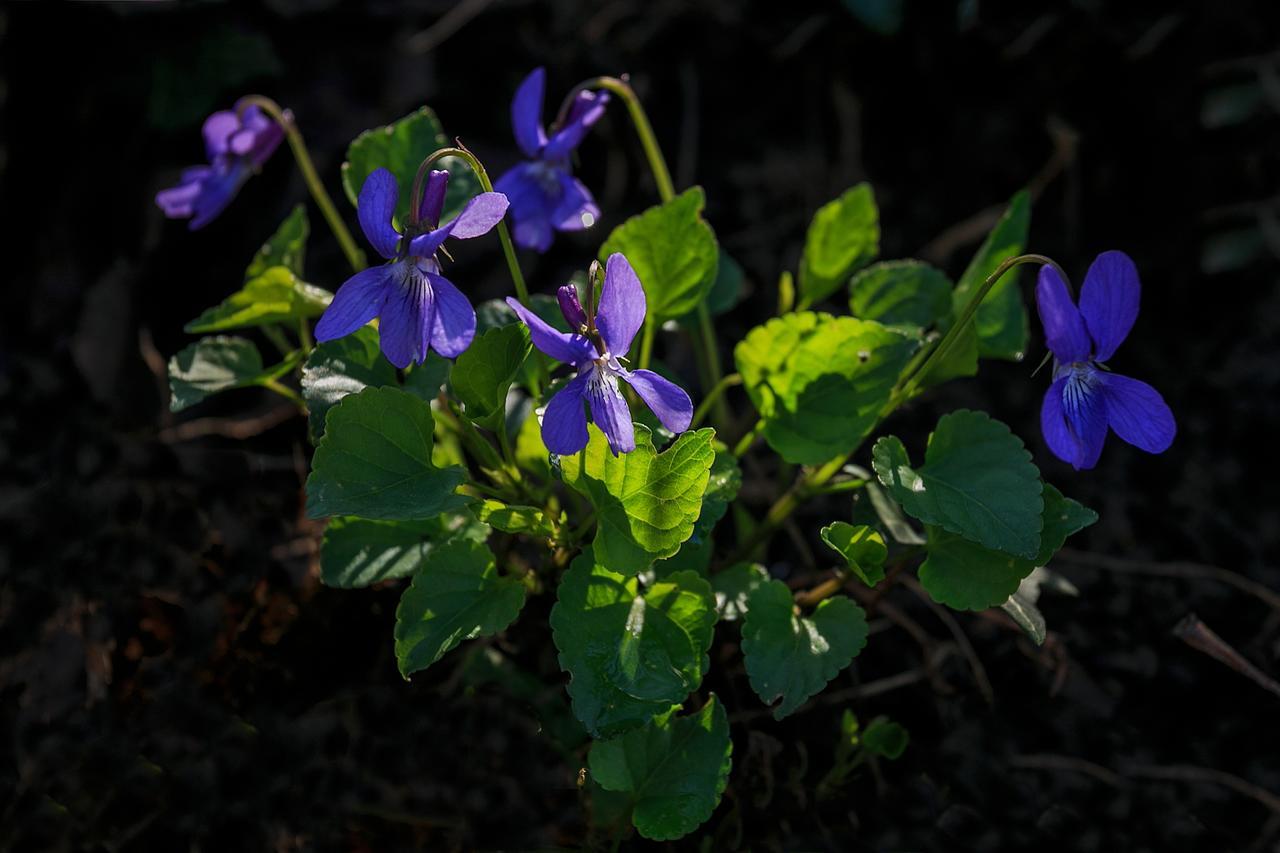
(374, 461)
(967, 576)
(725, 293)
(820, 382)
(1021, 606)
(792, 657)
(673, 251)
(844, 235)
(646, 502)
(340, 367)
(425, 380)
(891, 517)
(531, 453)
(630, 654)
(978, 481)
(900, 293)
(862, 548)
(1001, 321)
(733, 587)
(457, 596)
(674, 770)
(484, 372)
(516, 519)
(885, 738)
(358, 552)
(275, 296)
(285, 248)
(211, 365)
(401, 147)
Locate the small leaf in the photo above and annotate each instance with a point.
(820, 382)
(890, 515)
(285, 248)
(374, 461)
(733, 587)
(862, 548)
(357, 552)
(211, 365)
(1024, 612)
(630, 654)
(978, 481)
(792, 657)
(966, 576)
(673, 251)
(885, 738)
(516, 519)
(401, 147)
(900, 293)
(674, 770)
(340, 367)
(646, 502)
(457, 596)
(484, 372)
(274, 296)
(1001, 321)
(844, 235)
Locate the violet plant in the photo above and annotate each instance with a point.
(448, 460)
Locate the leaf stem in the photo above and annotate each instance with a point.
(286, 392)
(803, 488)
(744, 443)
(285, 119)
(713, 397)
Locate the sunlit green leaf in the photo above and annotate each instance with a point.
(358, 552)
(844, 235)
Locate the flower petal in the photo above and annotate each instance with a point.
(357, 302)
(179, 202)
(571, 306)
(433, 197)
(609, 411)
(526, 113)
(622, 305)
(1064, 330)
(216, 192)
(480, 215)
(1109, 301)
(562, 346)
(1073, 418)
(455, 321)
(530, 207)
(217, 132)
(374, 209)
(407, 318)
(586, 110)
(667, 400)
(564, 423)
(575, 210)
(1138, 413)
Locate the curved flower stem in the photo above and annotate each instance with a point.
(909, 383)
(713, 396)
(508, 249)
(285, 119)
(666, 191)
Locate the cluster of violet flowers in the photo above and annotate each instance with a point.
(419, 310)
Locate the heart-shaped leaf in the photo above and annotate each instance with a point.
(212, 365)
(1001, 322)
(285, 248)
(844, 235)
(358, 552)
(863, 549)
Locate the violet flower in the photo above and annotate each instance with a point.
(1086, 397)
(595, 348)
(418, 309)
(237, 147)
(543, 193)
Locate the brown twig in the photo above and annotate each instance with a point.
(1205, 775)
(1190, 571)
(1045, 761)
(1201, 637)
(961, 638)
(236, 428)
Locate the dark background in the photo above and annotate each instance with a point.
(172, 675)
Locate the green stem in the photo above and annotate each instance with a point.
(285, 119)
(744, 443)
(910, 381)
(286, 392)
(304, 335)
(646, 341)
(272, 333)
(804, 488)
(714, 396)
(508, 249)
(842, 486)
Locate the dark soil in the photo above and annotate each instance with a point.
(173, 676)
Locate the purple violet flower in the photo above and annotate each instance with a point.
(418, 309)
(237, 147)
(1086, 397)
(543, 193)
(595, 348)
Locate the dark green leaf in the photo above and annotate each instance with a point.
(1001, 321)
(733, 587)
(674, 770)
(900, 293)
(844, 235)
(286, 248)
(862, 548)
(374, 461)
(516, 519)
(891, 517)
(885, 738)
(630, 654)
(357, 552)
(211, 365)
(425, 380)
(978, 481)
(791, 657)
(483, 373)
(457, 596)
(340, 367)
(673, 251)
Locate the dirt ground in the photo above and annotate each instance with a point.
(173, 676)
